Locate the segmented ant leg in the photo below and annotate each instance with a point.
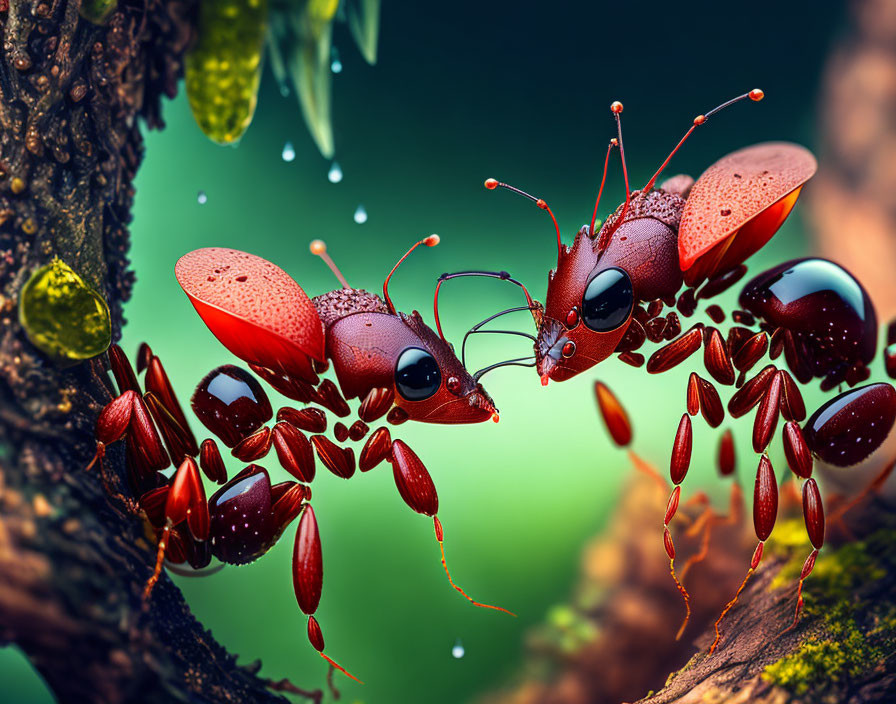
(112, 424)
(643, 466)
(418, 491)
(813, 514)
(160, 561)
(184, 501)
(765, 512)
(614, 414)
(726, 462)
(873, 487)
(678, 468)
(122, 370)
(703, 524)
(307, 580)
(440, 537)
(159, 385)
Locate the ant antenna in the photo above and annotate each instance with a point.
(319, 247)
(430, 241)
(616, 108)
(491, 184)
(502, 275)
(755, 95)
(613, 142)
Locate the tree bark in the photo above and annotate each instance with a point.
(72, 562)
(615, 639)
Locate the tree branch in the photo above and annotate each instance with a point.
(72, 564)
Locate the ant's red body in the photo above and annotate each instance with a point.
(811, 309)
(393, 363)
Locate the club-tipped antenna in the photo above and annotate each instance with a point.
(613, 142)
(430, 241)
(491, 184)
(755, 95)
(616, 109)
(319, 247)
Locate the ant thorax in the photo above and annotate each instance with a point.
(335, 305)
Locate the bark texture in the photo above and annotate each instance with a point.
(615, 640)
(72, 564)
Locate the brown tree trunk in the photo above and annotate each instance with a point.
(72, 563)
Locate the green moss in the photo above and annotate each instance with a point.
(857, 633)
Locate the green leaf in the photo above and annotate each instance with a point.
(364, 24)
(63, 315)
(308, 60)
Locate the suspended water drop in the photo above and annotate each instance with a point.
(458, 651)
(335, 62)
(288, 152)
(201, 198)
(335, 172)
(360, 215)
(284, 90)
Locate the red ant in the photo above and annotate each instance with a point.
(393, 363)
(607, 293)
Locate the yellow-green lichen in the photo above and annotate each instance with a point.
(837, 572)
(817, 664)
(857, 633)
(62, 315)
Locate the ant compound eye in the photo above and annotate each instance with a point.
(569, 349)
(417, 375)
(572, 318)
(453, 384)
(608, 300)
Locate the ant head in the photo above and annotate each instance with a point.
(587, 311)
(373, 345)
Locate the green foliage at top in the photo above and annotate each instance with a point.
(223, 70)
(64, 316)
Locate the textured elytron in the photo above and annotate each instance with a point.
(255, 291)
(736, 189)
(224, 68)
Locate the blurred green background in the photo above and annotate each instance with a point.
(462, 91)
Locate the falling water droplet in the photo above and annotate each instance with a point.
(201, 198)
(289, 153)
(457, 651)
(335, 172)
(360, 215)
(335, 62)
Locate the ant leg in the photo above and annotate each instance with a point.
(419, 492)
(307, 579)
(813, 514)
(184, 502)
(678, 468)
(765, 512)
(643, 466)
(873, 487)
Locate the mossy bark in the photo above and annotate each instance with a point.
(615, 639)
(72, 562)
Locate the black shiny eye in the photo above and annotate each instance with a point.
(417, 375)
(608, 300)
